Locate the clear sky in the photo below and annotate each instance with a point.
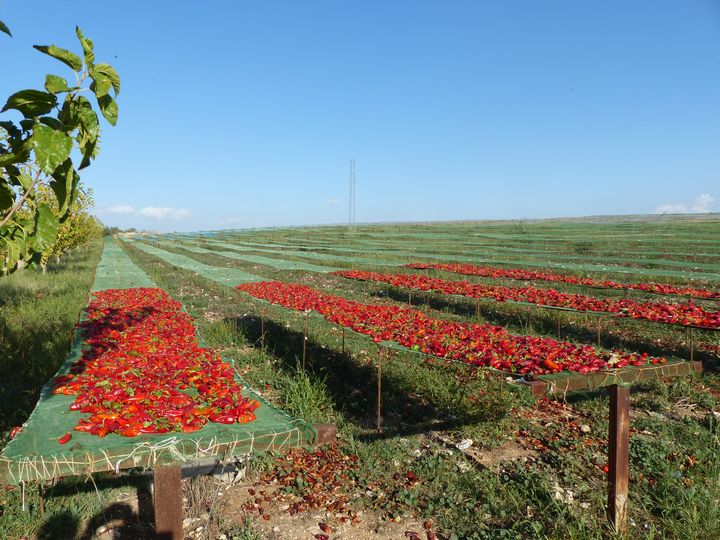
(247, 113)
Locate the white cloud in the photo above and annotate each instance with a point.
(332, 201)
(678, 208)
(701, 205)
(164, 212)
(117, 209)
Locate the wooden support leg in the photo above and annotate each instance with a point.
(599, 329)
(168, 503)
(619, 440)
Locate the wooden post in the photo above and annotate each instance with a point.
(168, 503)
(599, 327)
(618, 446)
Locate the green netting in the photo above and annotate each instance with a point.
(304, 254)
(35, 454)
(226, 276)
(116, 271)
(584, 267)
(280, 264)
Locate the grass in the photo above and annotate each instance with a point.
(532, 472)
(514, 499)
(38, 313)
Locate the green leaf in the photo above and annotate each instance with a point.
(4, 28)
(52, 147)
(109, 109)
(101, 84)
(11, 128)
(31, 103)
(87, 46)
(51, 122)
(25, 181)
(7, 196)
(64, 181)
(110, 73)
(68, 58)
(90, 151)
(46, 228)
(9, 158)
(55, 84)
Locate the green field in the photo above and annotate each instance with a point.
(534, 469)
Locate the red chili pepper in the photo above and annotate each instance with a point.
(65, 438)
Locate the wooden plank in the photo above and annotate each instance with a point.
(168, 503)
(618, 452)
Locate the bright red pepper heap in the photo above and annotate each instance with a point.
(144, 371)
(527, 275)
(685, 314)
(477, 344)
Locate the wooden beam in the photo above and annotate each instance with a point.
(168, 503)
(618, 446)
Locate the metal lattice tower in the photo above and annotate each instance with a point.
(351, 199)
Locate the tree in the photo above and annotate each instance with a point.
(79, 227)
(35, 152)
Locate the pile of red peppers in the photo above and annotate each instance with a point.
(476, 344)
(144, 372)
(683, 314)
(541, 275)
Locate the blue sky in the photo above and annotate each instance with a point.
(242, 114)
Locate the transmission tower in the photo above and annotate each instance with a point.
(351, 199)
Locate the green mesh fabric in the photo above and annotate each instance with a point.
(285, 250)
(226, 276)
(35, 454)
(418, 256)
(280, 264)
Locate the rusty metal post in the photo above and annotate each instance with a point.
(305, 337)
(379, 392)
(618, 451)
(168, 503)
(692, 345)
(558, 324)
(262, 332)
